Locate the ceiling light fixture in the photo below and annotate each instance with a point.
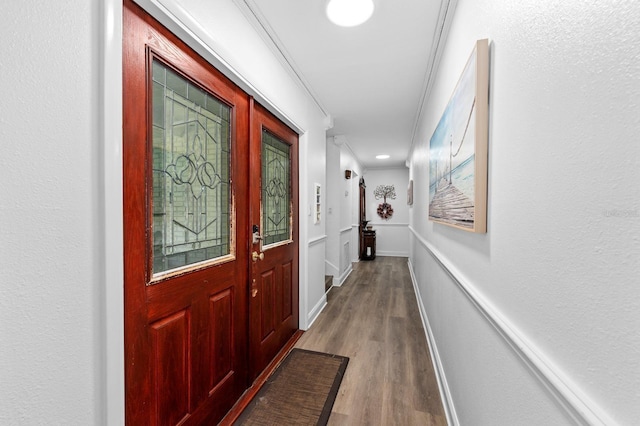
(349, 13)
(382, 156)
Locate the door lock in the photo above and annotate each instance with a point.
(256, 234)
(254, 289)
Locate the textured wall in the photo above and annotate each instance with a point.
(333, 197)
(560, 260)
(49, 370)
(349, 206)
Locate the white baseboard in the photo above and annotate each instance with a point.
(392, 253)
(313, 315)
(342, 278)
(447, 400)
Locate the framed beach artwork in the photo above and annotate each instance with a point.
(458, 150)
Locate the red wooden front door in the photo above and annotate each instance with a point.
(186, 231)
(274, 217)
(202, 318)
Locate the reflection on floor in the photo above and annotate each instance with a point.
(373, 319)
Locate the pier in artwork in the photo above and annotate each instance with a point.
(450, 205)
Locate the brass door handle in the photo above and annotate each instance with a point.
(255, 256)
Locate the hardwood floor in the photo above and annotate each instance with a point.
(373, 319)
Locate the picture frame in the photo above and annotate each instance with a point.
(410, 193)
(458, 150)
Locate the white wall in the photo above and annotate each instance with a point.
(50, 251)
(349, 207)
(333, 198)
(392, 234)
(536, 322)
(343, 201)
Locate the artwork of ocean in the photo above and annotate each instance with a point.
(462, 177)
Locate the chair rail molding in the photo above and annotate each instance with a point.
(568, 395)
(388, 224)
(316, 240)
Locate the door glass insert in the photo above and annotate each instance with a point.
(191, 193)
(276, 189)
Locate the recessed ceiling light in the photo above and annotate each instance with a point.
(382, 156)
(349, 13)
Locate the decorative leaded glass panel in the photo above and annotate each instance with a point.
(191, 192)
(276, 189)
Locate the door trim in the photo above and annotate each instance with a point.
(109, 293)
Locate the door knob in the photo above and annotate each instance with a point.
(255, 256)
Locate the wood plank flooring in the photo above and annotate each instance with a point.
(373, 319)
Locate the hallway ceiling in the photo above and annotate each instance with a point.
(369, 79)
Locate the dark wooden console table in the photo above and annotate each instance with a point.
(369, 245)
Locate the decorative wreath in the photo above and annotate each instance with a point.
(385, 210)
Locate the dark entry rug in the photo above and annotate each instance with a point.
(300, 392)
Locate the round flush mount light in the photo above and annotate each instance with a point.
(349, 13)
(382, 156)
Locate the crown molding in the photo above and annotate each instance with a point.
(260, 23)
(445, 16)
